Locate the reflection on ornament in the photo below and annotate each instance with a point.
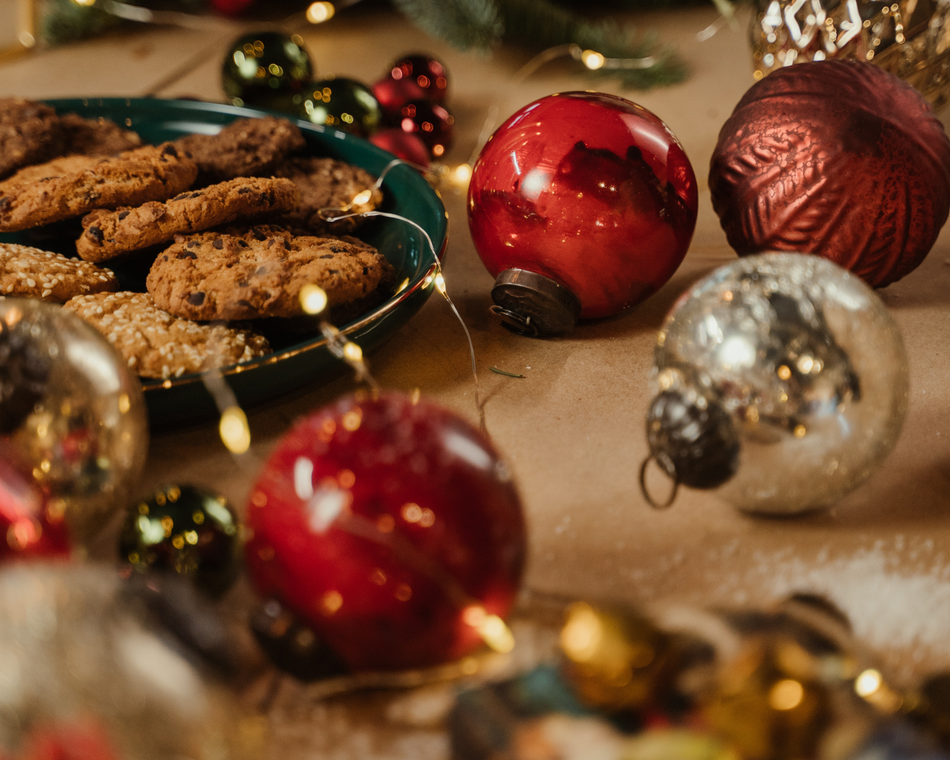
(392, 529)
(267, 69)
(187, 530)
(80, 658)
(907, 38)
(343, 104)
(788, 374)
(581, 204)
(412, 77)
(839, 159)
(73, 412)
(430, 122)
(404, 145)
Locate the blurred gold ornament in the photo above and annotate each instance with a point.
(910, 38)
(614, 658)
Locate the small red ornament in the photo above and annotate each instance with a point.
(581, 204)
(231, 7)
(430, 122)
(403, 145)
(390, 528)
(835, 158)
(30, 525)
(413, 77)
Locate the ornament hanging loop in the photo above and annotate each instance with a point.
(669, 470)
(519, 324)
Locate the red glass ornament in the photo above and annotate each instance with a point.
(412, 77)
(383, 525)
(403, 145)
(31, 525)
(589, 191)
(835, 158)
(430, 122)
(231, 7)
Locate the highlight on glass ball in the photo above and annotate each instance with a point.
(267, 69)
(71, 412)
(582, 205)
(836, 158)
(344, 104)
(392, 529)
(187, 530)
(780, 385)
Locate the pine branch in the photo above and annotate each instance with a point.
(464, 24)
(67, 21)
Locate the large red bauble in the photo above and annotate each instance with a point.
(835, 158)
(384, 524)
(589, 190)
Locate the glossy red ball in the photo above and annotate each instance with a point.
(835, 158)
(384, 525)
(412, 77)
(402, 145)
(31, 525)
(590, 190)
(430, 122)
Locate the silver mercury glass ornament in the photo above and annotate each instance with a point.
(780, 383)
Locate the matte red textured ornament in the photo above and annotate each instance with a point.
(581, 204)
(412, 77)
(390, 528)
(835, 158)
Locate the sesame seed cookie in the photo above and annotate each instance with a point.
(109, 233)
(32, 273)
(326, 183)
(75, 185)
(156, 344)
(95, 137)
(30, 132)
(214, 275)
(244, 148)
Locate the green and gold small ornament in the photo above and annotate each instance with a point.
(344, 104)
(267, 69)
(187, 530)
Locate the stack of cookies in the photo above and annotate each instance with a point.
(231, 222)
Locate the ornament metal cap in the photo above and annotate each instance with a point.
(534, 305)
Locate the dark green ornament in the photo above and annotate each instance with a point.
(343, 104)
(267, 69)
(187, 530)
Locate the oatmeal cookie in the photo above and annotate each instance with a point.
(156, 344)
(33, 273)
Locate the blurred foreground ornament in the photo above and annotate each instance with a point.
(581, 204)
(267, 69)
(343, 104)
(390, 528)
(781, 382)
(71, 410)
(80, 657)
(839, 159)
(187, 530)
(908, 38)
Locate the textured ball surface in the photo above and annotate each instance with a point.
(590, 190)
(390, 528)
(835, 158)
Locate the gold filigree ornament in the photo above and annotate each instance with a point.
(910, 38)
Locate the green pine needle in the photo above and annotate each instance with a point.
(464, 24)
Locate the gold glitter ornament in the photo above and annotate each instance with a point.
(910, 38)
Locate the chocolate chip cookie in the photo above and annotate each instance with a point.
(156, 344)
(32, 273)
(75, 185)
(109, 233)
(30, 133)
(239, 276)
(95, 137)
(326, 183)
(244, 148)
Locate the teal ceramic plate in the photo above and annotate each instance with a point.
(298, 360)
